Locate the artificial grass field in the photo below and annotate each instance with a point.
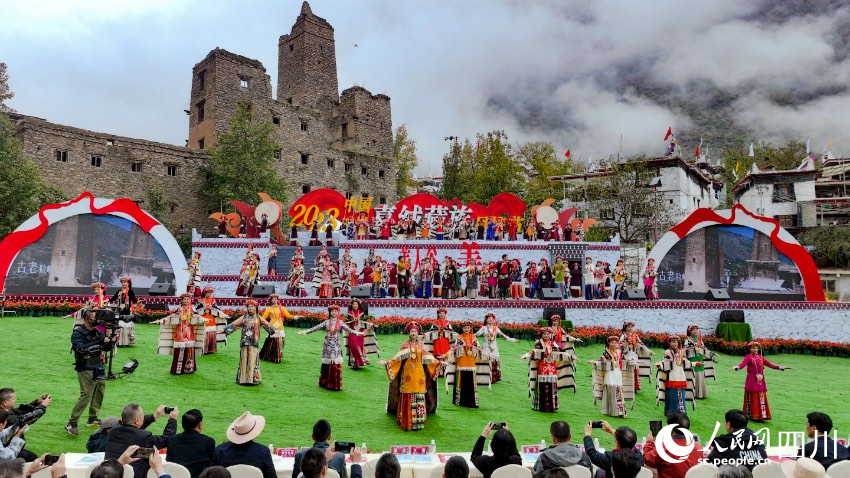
(35, 357)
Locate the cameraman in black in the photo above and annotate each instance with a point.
(22, 415)
(87, 343)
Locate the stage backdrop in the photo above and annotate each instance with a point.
(67, 246)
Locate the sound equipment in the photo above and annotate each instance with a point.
(548, 312)
(361, 291)
(156, 306)
(262, 291)
(632, 293)
(550, 293)
(717, 295)
(732, 316)
(161, 288)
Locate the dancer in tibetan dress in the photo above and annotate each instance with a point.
(701, 357)
(182, 334)
(674, 378)
(275, 314)
(249, 342)
(635, 352)
(549, 370)
(489, 333)
(755, 388)
(331, 374)
(358, 347)
(215, 320)
(412, 392)
(613, 381)
(469, 367)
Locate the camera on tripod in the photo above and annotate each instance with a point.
(106, 317)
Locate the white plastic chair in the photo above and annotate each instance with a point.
(128, 471)
(578, 471)
(332, 473)
(247, 471)
(512, 471)
(839, 469)
(436, 472)
(644, 473)
(768, 470)
(176, 470)
(703, 470)
(368, 468)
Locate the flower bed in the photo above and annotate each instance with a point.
(395, 324)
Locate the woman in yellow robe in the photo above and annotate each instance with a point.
(275, 314)
(412, 392)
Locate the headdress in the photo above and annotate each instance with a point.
(611, 339)
(546, 330)
(467, 323)
(490, 314)
(673, 338)
(274, 296)
(332, 307)
(208, 288)
(353, 300)
(98, 284)
(555, 317)
(754, 344)
(251, 302)
(443, 310)
(185, 294)
(412, 325)
(627, 323)
(692, 327)
(125, 279)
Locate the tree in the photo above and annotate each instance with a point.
(831, 244)
(738, 162)
(157, 205)
(625, 202)
(404, 152)
(478, 173)
(24, 190)
(542, 163)
(241, 164)
(453, 173)
(5, 91)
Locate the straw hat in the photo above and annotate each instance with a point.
(803, 468)
(245, 428)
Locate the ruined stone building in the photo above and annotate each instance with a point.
(326, 139)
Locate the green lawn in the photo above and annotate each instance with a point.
(36, 359)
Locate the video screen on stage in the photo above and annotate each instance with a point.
(738, 259)
(80, 250)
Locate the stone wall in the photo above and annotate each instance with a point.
(114, 177)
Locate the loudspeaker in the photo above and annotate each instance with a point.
(161, 288)
(263, 290)
(548, 312)
(361, 291)
(550, 293)
(717, 295)
(732, 316)
(156, 306)
(632, 293)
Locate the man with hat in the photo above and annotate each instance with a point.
(97, 440)
(240, 449)
(803, 468)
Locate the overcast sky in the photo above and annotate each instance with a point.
(561, 71)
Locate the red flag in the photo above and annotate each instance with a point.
(669, 133)
(696, 152)
(567, 154)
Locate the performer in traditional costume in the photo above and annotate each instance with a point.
(566, 342)
(575, 281)
(755, 388)
(214, 320)
(331, 375)
(326, 279)
(249, 276)
(426, 275)
(649, 287)
(469, 367)
(272, 265)
(517, 290)
(613, 380)
(403, 271)
(471, 280)
(293, 235)
(675, 378)
(489, 333)
(182, 334)
(412, 392)
(440, 338)
(589, 279)
(195, 275)
(503, 277)
(701, 358)
(619, 275)
(636, 353)
(275, 314)
(358, 347)
(297, 255)
(124, 299)
(314, 235)
(559, 271)
(329, 234)
(249, 356)
(549, 370)
(295, 285)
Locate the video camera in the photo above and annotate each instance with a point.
(106, 317)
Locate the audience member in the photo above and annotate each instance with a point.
(321, 437)
(215, 472)
(822, 448)
(192, 448)
(240, 449)
(132, 431)
(503, 446)
(97, 440)
(739, 443)
(672, 470)
(108, 469)
(626, 464)
(556, 473)
(729, 471)
(18, 468)
(111, 468)
(387, 466)
(624, 439)
(10, 447)
(12, 468)
(27, 413)
(314, 462)
(456, 467)
(561, 453)
(803, 468)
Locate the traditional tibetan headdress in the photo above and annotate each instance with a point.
(673, 338)
(353, 300)
(125, 279)
(754, 344)
(333, 307)
(627, 324)
(412, 325)
(443, 310)
(274, 296)
(555, 317)
(98, 284)
(692, 327)
(208, 288)
(546, 330)
(185, 294)
(490, 314)
(251, 302)
(467, 323)
(612, 339)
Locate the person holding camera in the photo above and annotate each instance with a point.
(624, 438)
(88, 343)
(562, 453)
(503, 446)
(132, 431)
(22, 416)
(10, 446)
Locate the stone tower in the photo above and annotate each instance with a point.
(764, 263)
(703, 260)
(306, 63)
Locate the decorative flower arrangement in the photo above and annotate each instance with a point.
(395, 324)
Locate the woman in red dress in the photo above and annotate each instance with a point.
(357, 356)
(755, 388)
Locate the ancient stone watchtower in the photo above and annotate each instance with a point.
(306, 62)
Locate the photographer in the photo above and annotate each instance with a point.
(504, 449)
(87, 343)
(22, 415)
